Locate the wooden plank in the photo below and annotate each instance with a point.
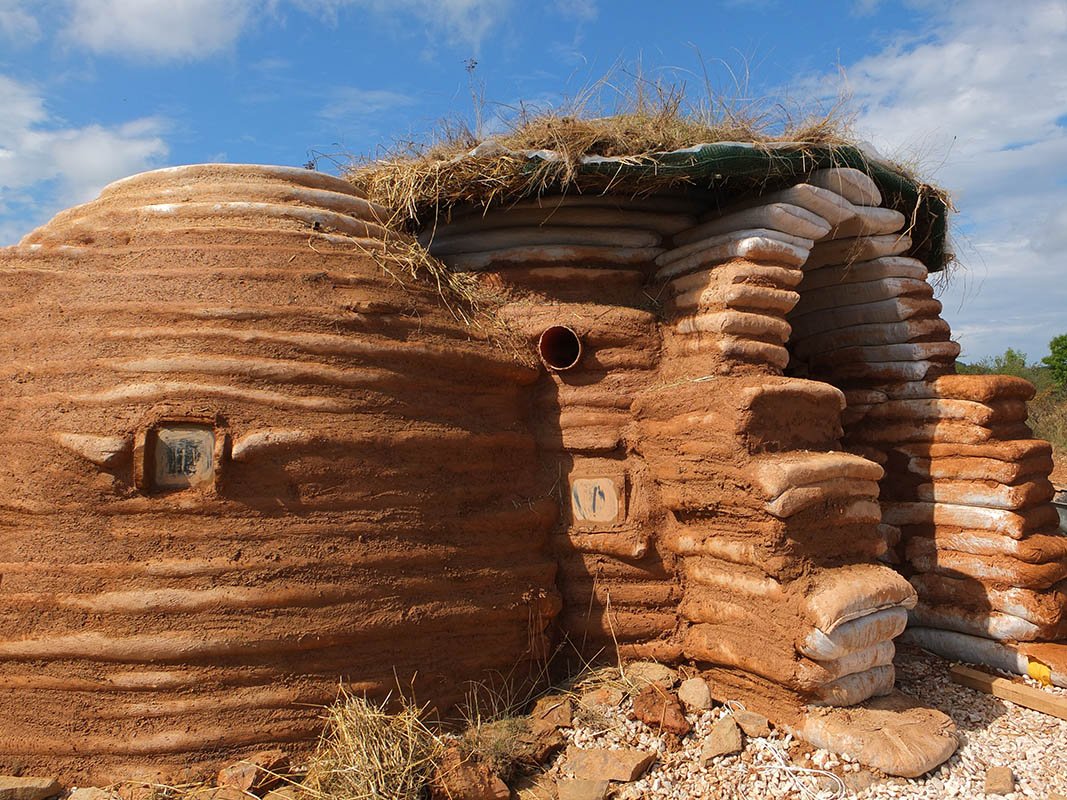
(1018, 693)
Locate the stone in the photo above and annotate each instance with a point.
(859, 781)
(999, 780)
(540, 742)
(659, 708)
(581, 789)
(535, 787)
(217, 793)
(138, 791)
(91, 793)
(12, 788)
(257, 771)
(723, 739)
(600, 764)
(642, 673)
(602, 697)
(753, 724)
(459, 778)
(555, 710)
(695, 695)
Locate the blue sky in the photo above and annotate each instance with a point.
(974, 94)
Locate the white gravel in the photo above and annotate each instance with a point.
(993, 733)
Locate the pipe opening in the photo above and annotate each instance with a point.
(559, 348)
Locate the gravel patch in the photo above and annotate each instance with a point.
(993, 733)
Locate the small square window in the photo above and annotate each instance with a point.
(597, 501)
(183, 456)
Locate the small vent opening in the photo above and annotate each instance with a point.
(560, 348)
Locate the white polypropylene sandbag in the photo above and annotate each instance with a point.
(862, 660)
(990, 624)
(855, 688)
(855, 186)
(783, 217)
(857, 634)
(958, 646)
(870, 221)
(843, 594)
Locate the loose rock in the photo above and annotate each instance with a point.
(257, 771)
(535, 787)
(643, 673)
(753, 724)
(580, 789)
(457, 778)
(554, 710)
(695, 695)
(136, 791)
(659, 708)
(608, 765)
(540, 742)
(859, 781)
(91, 793)
(999, 780)
(602, 697)
(724, 738)
(12, 788)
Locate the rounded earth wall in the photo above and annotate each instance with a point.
(244, 466)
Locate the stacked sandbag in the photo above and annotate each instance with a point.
(774, 527)
(866, 315)
(866, 320)
(580, 264)
(966, 495)
(979, 529)
(775, 533)
(618, 592)
(567, 230)
(729, 282)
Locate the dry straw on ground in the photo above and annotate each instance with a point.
(368, 752)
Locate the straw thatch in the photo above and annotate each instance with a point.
(646, 147)
(547, 152)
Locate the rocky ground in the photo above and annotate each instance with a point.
(1005, 750)
(649, 735)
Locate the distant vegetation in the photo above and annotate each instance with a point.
(1048, 409)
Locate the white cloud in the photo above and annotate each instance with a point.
(463, 23)
(17, 25)
(46, 166)
(865, 8)
(163, 30)
(981, 99)
(351, 101)
(581, 10)
(185, 30)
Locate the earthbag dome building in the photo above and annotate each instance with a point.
(706, 411)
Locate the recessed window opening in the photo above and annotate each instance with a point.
(183, 456)
(560, 348)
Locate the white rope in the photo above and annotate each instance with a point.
(793, 772)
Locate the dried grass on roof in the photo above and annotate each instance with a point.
(420, 181)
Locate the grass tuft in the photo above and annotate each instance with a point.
(370, 753)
